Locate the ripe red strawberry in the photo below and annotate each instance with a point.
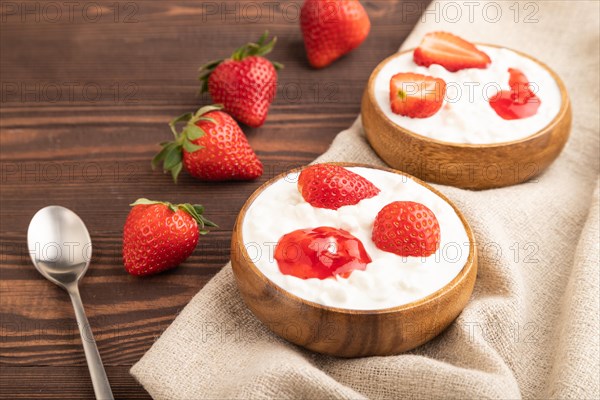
(407, 229)
(212, 147)
(415, 95)
(332, 28)
(331, 186)
(245, 83)
(449, 51)
(159, 236)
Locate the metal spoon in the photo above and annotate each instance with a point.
(61, 248)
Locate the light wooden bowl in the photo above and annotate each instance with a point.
(469, 166)
(345, 332)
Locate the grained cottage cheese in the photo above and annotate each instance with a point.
(466, 116)
(388, 281)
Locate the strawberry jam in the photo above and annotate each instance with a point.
(518, 102)
(322, 253)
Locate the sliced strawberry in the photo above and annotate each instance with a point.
(331, 186)
(407, 229)
(519, 86)
(449, 51)
(517, 78)
(518, 102)
(416, 95)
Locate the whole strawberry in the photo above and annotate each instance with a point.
(407, 229)
(211, 146)
(331, 186)
(245, 83)
(159, 236)
(332, 28)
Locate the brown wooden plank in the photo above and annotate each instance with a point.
(64, 382)
(118, 83)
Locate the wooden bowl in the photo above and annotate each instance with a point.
(345, 332)
(468, 166)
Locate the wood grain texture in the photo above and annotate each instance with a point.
(468, 166)
(83, 106)
(350, 333)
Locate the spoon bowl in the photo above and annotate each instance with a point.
(60, 248)
(60, 245)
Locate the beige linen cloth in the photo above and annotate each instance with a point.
(531, 328)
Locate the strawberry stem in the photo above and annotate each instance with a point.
(194, 210)
(260, 48)
(171, 154)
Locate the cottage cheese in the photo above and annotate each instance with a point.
(389, 280)
(466, 116)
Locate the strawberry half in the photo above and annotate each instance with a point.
(416, 95)
(407, 229)
(158, 236)
(331, 186)
(212, 147)
(245, 83)
(449, 51)
(332, 28)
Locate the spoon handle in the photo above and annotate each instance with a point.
(99, 380)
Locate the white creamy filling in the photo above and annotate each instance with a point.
(466, 116)
(388, 281)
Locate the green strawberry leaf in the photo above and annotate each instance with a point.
(208, 119)
(207, 109)
(175, 171)
(161, 154)
(196, 211)
(208, 222)
(172, 158)
(144, 201)
(193, 132)
(204, 85)
(205, 72)
(182, 117)
(210, 65)
(190, 210)
(266, 49)
(191, 147)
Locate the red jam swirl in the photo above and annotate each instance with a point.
(322, 252)
(518, 102)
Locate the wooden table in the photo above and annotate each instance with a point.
(87, 92)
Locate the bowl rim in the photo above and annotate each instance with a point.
(557, 118)
(463, 273)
